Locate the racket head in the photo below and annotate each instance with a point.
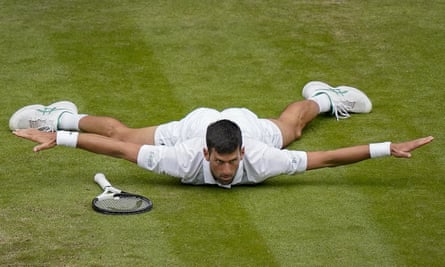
(121, 204)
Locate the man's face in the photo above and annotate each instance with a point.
(224, 166)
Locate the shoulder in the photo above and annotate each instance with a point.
(264, 160)
(252, 146)
(183, 152)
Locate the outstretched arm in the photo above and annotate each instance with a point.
(90, 142)
(349, 155)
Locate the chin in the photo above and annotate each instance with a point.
(225, 181)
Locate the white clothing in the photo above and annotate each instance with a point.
(178, 149)
(195, 125)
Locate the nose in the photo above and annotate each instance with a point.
(227, 169)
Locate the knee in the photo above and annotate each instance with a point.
(116, 130)
(298, 133)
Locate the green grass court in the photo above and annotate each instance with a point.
(148, 62)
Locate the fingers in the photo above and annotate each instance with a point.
(399, 152)
(425, 140)
(45, 140)
(402, 150)
(404, 154)
(44, 146)
(420, 142)
(25, 133)
(18, 133)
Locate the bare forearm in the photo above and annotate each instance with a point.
(91, 142)
(333, 158)
(349, 155)
(107, 146)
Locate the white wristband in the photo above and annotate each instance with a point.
(65, 138)
(378, 150)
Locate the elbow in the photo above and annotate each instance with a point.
(318, 160)
(127, 152)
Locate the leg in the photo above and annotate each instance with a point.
(115, 129)
(320, 97)
(63, 115)
(294, 118)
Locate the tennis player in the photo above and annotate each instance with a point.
(207, 146)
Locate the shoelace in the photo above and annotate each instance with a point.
(341, 107)
(340, 111)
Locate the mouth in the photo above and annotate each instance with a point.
(225, 180)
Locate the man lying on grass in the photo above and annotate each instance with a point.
(226, 148)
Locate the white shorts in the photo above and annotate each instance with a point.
(195, 125)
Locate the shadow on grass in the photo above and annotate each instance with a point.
(276, 182)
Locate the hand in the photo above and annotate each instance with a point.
(402, 150)
(46, 140)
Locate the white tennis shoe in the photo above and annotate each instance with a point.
(44, 118)
(344, 99)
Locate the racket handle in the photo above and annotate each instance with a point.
(101, 180)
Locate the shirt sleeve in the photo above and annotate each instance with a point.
(263, 161)
(183, 160)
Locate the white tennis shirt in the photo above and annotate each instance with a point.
(186, 161)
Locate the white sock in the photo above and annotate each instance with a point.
(323, 101)
(70, 121)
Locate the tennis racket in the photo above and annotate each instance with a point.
(115, 201)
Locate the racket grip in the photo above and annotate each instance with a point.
(101, 180)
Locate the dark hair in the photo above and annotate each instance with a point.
(224, 136)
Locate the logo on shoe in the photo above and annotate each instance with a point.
(338, 91)
(49, 110)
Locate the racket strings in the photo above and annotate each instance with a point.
(115, 201)
(123, 204)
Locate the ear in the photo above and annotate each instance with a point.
(206, 154)
(242, 153)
